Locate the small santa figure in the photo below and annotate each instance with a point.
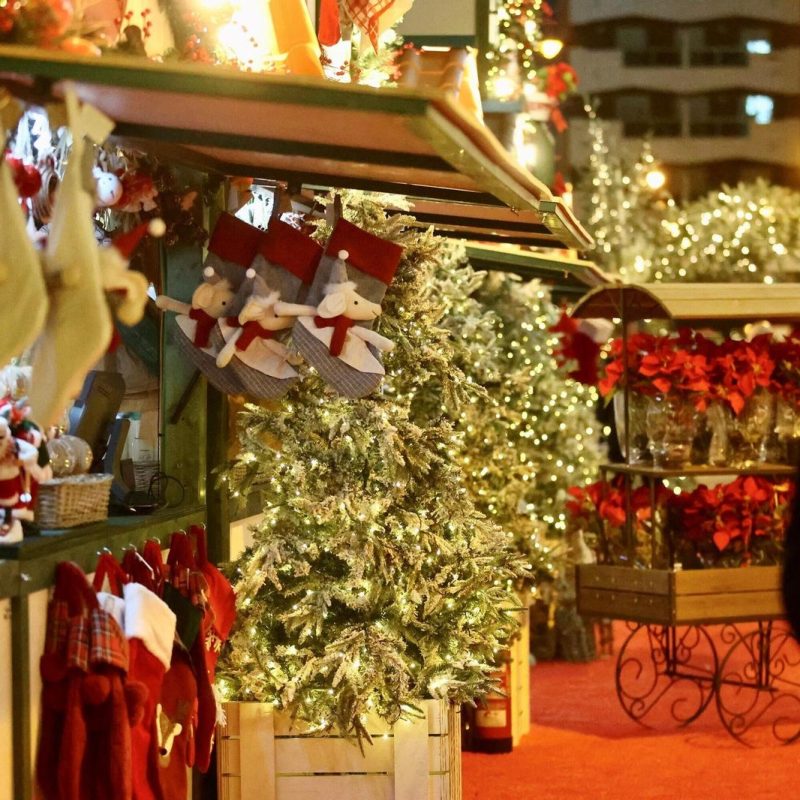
(18, 466)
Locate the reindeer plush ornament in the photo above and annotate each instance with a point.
(337, 338)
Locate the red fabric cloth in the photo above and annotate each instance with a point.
(287, 247)
(205, 324)
(366, 15)
(367, 253)
(341, 325)
(330, 30)
(235, 240)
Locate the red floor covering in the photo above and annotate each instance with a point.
(582, 746)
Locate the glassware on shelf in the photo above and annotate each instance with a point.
(719, 422)
(753, 429)
(638, 434)
(672, 423)
(787, 430)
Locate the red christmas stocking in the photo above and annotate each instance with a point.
(221, 599)
(67, 635)
(338, 341)
(150, 630)
(191, 583)
(174, 725)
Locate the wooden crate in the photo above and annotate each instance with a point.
(521, 678)
(670, 597)
(262, 756)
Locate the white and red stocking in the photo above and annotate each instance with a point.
(255, 342)
(338, 341)
(150, 630)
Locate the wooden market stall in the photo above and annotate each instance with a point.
(217, 124)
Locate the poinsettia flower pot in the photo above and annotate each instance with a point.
(672, 424)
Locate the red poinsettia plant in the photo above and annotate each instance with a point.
(737, 523)
(740, 369)
(786, 375)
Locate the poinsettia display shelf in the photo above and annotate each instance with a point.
(702, 635)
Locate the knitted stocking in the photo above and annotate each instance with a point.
(78, 326)
(255, 341)
(347, 291)
(22, 290)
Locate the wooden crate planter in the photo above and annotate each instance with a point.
(520, 678)
(670, 597)
(262, 756)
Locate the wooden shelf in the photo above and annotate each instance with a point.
(709, 303)
(567, 275)
(37, 556)
(692, 471)
(415, 143)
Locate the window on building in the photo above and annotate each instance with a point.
(759, 47)
(760, 107)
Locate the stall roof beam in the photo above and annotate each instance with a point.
(411, 142)
(693, 302)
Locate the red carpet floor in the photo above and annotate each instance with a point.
(582, 746)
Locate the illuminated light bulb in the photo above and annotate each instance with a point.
(550, 47)
(655, 179)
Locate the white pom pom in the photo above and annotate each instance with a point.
(251, 273)
(208, 272)
(344, 255)
(157, 227)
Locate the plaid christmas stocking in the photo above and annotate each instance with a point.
(338, 341)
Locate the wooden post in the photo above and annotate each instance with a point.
(21, 699)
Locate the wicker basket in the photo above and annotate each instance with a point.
(76, 500)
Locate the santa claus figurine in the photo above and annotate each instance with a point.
(18, 466)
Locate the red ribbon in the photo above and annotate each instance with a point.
(205, 324)
(250, 332)
(341, 325)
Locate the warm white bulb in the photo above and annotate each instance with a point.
(655, 179)
(550, 48)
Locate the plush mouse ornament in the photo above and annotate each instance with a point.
(109, 188)
(254, 343)
(338, 340)
(232, 248)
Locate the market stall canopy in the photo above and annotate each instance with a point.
(411, 142)
(693, 302)
(565, 275)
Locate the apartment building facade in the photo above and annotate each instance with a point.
(716, 83)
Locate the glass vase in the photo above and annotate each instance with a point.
(787, 431)
(719, 423)
(753, 429)
(639, 453)
(672, 422)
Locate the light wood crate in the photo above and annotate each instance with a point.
(680, 597)
(521, 678)
(263, 756)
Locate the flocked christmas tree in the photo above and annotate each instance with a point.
(532, 432)
(750, 232)
(373, 581)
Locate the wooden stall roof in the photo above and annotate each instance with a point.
(416, 143)
(698, 302)
(566, 275)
